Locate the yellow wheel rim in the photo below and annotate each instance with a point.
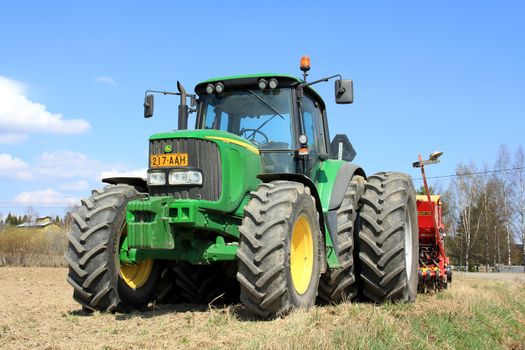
(301, 254)
(134, 275)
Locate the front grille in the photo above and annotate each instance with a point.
(202, 155)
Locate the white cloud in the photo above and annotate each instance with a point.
(66, 164)
(45, 197)
(13, 168)
(81, 185)
(116, 173)
(72, 168)
(19, 115)
(106, 80)
(12, 138)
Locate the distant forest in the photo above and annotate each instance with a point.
(484, 212)
(30, 215)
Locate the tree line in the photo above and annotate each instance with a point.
(484, 212)
(30, 215)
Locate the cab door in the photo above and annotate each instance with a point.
(313, 129)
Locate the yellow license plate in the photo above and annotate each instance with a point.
(167, 160)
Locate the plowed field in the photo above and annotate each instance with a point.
(37, 312)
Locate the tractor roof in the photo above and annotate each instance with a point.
(239, 81)
(251, 76)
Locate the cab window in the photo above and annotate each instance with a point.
(262, 117)
(312, 121)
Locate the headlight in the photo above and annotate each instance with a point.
(156, 178)
(189, 177)
(262, 84)
(219, 88)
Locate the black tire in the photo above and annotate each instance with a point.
(265, 249)
(337, 285)
(167, 290)
(388, 240)
(204, 284)
(93, 254)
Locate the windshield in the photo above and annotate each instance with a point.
(260, 116)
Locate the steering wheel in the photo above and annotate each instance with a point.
(254, 132)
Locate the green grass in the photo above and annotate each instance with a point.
(471, 315)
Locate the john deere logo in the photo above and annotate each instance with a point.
(168, 149)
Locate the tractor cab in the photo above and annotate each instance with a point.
(279, 115)
(267, 111)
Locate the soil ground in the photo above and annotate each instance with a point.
(38, 312)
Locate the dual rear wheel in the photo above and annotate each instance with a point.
(388, 242)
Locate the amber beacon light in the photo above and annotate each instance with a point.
(305, 66)
(305, 63)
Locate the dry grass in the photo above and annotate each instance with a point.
(32, 247)
(37, 311)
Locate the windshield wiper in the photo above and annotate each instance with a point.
(266, 104)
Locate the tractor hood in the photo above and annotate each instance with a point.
(210, 135)
(228, 165)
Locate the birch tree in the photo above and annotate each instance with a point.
(466, 189)
(505, 180)
(519, 197)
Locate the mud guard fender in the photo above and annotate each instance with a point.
(332, 179)
(138, 183)
(343, 178)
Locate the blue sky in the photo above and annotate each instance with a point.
(441, 75)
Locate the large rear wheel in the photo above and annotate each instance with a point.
(338, 284)
(388, 239)
(279, 250)
(100, 280)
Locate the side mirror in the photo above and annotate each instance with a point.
(344, 91)
(148, 106)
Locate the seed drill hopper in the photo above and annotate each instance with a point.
(434, 272)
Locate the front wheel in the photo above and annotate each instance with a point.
(100, 280)
(279, 250)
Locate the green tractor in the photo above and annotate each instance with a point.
(256, 203)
